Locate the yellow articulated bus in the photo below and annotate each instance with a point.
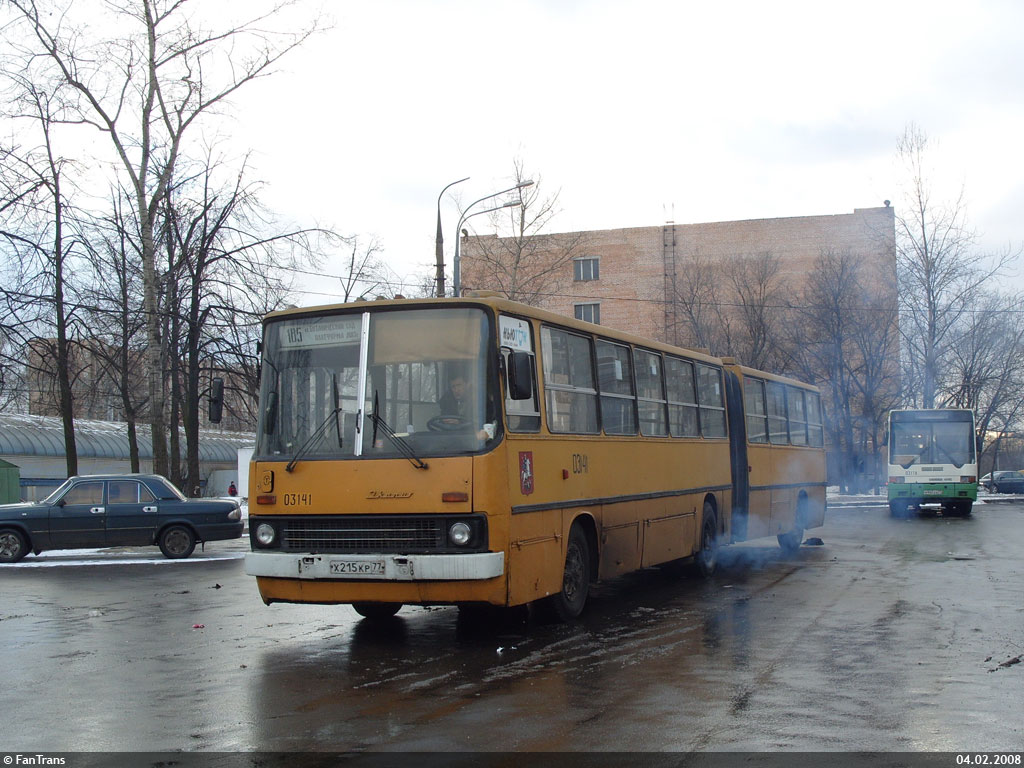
(479, 451)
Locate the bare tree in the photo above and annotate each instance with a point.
(146, 90)
(115, 313)
(874, 338)
(216, 235)
(43, 237)
(521, 260)
(757, 286)
(939, 270)
(986, 367)
(366, 275)
(844, 339)
(702, 323)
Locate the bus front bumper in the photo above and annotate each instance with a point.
(933, 492)
(294, 565)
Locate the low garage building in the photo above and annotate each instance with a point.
(35, 445)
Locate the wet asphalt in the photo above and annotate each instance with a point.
(891, 635)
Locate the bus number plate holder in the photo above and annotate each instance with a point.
(357, 567)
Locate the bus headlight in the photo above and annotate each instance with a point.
(265, 534)
(460, 534)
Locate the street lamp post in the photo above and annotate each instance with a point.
(439, 242)
(456, 276)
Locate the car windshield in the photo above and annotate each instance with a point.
(428, 390)
(52, 498)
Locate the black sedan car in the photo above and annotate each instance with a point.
(1006, 481)
(115, 511)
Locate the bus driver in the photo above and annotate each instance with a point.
(456, 406)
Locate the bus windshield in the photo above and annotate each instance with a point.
(427, 390)
(932, 442)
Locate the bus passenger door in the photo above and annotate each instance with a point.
(738, 457)
(760, 458)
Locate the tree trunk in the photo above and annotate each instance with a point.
(153, 353)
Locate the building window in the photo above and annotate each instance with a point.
(585, 268)
(591, 313)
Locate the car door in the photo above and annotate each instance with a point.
(131, 513)
(78, 518)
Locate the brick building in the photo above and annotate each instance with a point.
(626, 278)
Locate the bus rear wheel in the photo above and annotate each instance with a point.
(791, 541)
(705, 562)
(567, 604)
(376, 611)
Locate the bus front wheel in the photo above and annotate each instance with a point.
(376, 611)
(961, 508)
(898, 509)
(568, 603)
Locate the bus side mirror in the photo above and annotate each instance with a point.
(216, 400)
(520, 376)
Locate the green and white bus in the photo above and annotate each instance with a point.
(933, 459)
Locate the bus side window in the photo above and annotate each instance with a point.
(650, 385)
(757, 425)
(709, 398)
(815, 427)
(797, 416)
(569, 393)
(778, 429)
(682, 398)
(615, 382)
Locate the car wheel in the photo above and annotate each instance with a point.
(568, 603)
(706, 560)
(376, 611)
(995, 488)
(13, 545)
(177, 542)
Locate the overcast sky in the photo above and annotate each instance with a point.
(637, 113)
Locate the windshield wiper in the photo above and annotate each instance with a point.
(320, 430)
(399, 442)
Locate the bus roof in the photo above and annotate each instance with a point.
(748, 371)
(501, 304)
